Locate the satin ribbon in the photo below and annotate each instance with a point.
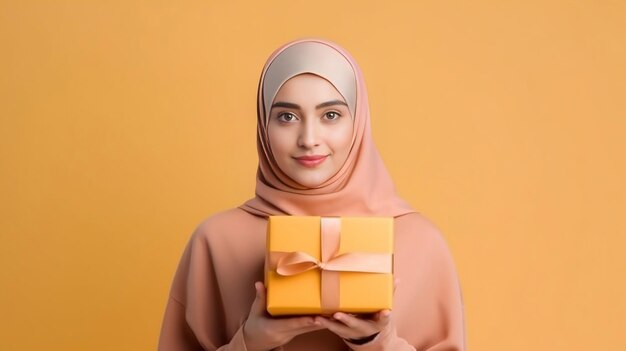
(293, 263)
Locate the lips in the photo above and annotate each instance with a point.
(311, 161)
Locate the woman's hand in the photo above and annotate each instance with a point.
(351, 327)
(262, 332)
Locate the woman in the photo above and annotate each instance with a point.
(316, 157)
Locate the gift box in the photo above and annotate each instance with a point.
(321, 265)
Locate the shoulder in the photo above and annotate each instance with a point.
(420, 243)
(231, 221)
(417, 224)
(226, 218)
(415, 228)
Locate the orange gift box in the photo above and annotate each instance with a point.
(321, 265)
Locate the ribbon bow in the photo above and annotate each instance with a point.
(293, 263)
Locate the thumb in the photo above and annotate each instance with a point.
(383, 317)
(258, 306)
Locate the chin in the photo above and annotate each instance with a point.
(310, 183)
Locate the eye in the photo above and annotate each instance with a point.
(286, 117)
(332, 115)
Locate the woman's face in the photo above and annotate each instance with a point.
(309, 129)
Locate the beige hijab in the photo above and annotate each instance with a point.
(362, 187)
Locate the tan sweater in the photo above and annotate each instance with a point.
(213, 290)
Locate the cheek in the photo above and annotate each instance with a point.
(278, 141)
(341, 138)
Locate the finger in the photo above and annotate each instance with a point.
(356, 320)
(309, 327)
(349, 326)
(297, 325)
(336, 327)
(383, 317)
(258, 306)
(328, 322)
(348, 320)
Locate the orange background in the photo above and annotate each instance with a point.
(123, 124)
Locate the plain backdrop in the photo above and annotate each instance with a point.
(123, 124)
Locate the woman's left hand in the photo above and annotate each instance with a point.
(349, 326)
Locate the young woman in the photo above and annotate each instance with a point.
(316, 157)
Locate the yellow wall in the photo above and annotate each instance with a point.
(124, 124)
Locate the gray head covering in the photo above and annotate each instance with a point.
(310, 57)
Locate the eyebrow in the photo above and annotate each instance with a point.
(331, 103)
(296, 106)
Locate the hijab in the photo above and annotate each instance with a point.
(362, 186)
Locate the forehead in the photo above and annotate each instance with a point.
(308, 87)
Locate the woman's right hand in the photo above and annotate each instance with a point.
(262, 332)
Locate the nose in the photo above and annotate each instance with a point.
(309, 134)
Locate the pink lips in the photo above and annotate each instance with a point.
(311, 161)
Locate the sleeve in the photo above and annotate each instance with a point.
(175, 332)
(446, 297)
(176, 335)
(193, 317)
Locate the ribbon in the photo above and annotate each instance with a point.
(293, 263)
